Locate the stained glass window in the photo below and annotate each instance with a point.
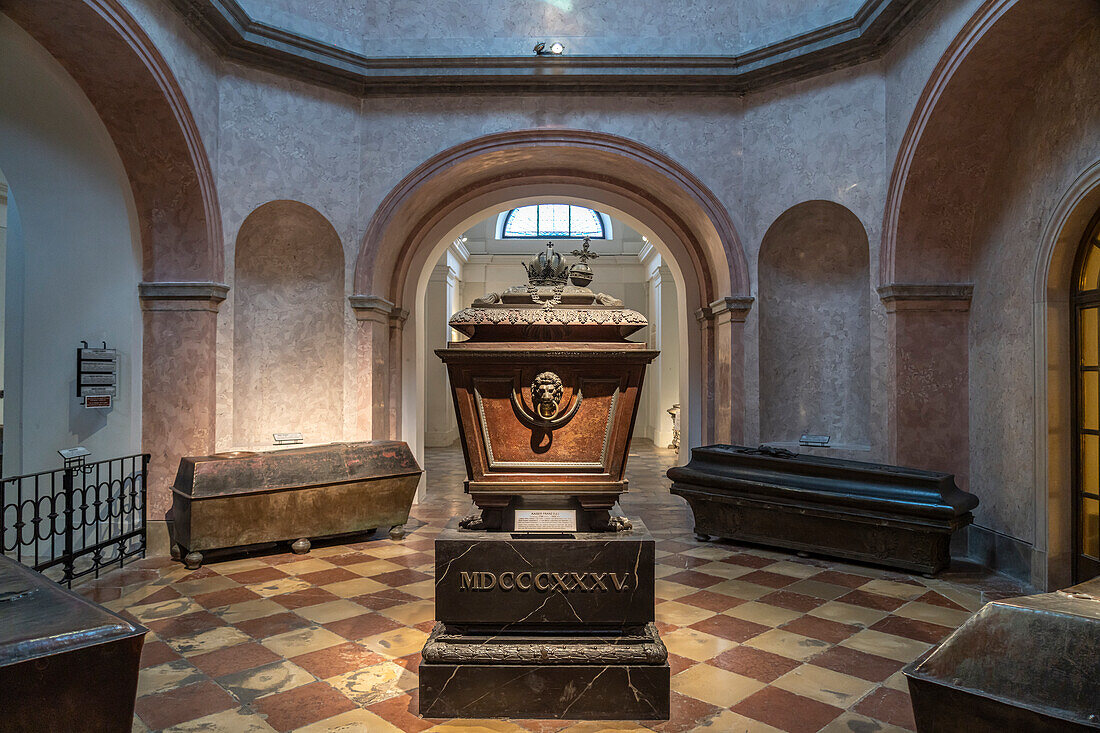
(553, 220)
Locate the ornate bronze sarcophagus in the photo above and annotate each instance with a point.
(66, 664)
(1019, 664)
(544, 601)
(546, 391)
(889, 515)
(245, 498)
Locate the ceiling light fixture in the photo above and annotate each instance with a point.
(554, 49)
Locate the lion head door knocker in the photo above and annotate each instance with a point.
(546, 394)
(547, 411)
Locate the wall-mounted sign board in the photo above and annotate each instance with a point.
(97, 376)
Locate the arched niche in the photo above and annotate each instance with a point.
(814, 289)
(287, 326)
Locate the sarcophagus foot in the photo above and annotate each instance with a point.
(237, 499)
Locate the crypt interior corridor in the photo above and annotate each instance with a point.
(855, 230)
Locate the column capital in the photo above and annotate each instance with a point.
(926, 296)
(370, 308)
(731, 308)
(182, 296)
(398, 316)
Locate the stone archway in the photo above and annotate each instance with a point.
(1053, 270)
(947, 220)
(136, 95)
(655, 195)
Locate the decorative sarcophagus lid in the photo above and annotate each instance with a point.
(243, 498)
(889, 515)
(66, 664)
(1019, 664)
(546, 388)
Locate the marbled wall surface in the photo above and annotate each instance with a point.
(193, 63)
(1053, 140)
(815, 374)
(820, 139)
(587, 27)
(288, 327)
(910, 62)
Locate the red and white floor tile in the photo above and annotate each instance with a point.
(758, 640)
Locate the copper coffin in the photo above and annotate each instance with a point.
(546, 391)
(66, 664)
(243, 498)
(1019, 664)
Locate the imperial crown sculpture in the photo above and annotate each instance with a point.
(547, 268)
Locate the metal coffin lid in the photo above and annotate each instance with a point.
(813, 479)
(1033, 652)
(534, 323)
(42, 618)
(226, 474)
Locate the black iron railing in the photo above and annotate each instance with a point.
(78, 520)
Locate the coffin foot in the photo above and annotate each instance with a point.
(700, 537)
(397, 532)
(300, 547)
(192, 560)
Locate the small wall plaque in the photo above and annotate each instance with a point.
(77, 452)
(818, 440)
(101, 402)
(287, 438)
(546, 520)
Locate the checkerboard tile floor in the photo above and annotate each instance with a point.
(758, 640)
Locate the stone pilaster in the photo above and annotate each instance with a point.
(373, 357)
(728, 323)
(706, 375)
(397, 319)
(929, 397)
(179, 369)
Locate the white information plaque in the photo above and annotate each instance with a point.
(546, 520)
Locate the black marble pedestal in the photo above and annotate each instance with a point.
(544, 626)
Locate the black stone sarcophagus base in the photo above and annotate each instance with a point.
(537, 626)
(888, 515)
(1019, 664)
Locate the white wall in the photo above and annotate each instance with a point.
(73, 263)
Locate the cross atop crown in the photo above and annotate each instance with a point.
(584, 254)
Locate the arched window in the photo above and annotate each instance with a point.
(1086, 345)
(554, 220)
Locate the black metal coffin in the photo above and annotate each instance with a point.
(1020, 664)
(889, 515)
(66, 664)
(244, 498)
